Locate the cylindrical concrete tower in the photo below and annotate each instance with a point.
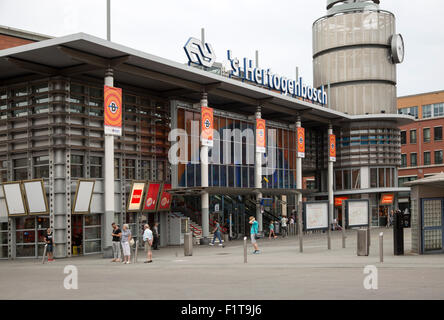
(355, 50)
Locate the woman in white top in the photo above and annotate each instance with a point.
(125, 239)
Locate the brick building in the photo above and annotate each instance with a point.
(11, 37)
(422, 142)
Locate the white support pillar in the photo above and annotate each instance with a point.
(258, 179)
(330, 189)
(109, 182)
(299, 195)
(205, 198)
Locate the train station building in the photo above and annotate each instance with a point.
(52, 130)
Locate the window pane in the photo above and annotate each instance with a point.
(412, 136)
(427, 111)
(413, 160)
(427, 158)
(373, 178)
(438, 133)
(403, 137)
(403, 160)
(438, 157)
(427, 135)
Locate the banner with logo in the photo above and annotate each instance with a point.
(387, 199)
(113, 111)
(332, 147)
(165, 198)
(135, 198)
(207, 126)
(260, 136)
(301, 142)
(152, 194)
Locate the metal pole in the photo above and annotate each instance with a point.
(381, 247)
(257, 58)
(258, 179)
(44, 253)
(109, 177)
(343, 224)
(245, 249)
(202, 35)
(205, 197)
(330, 192)
(299, 187)
(231, 226)
(108, 20)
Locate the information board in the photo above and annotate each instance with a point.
(357, 213)
(315, 215)
(135, 197)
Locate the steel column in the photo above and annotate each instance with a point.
(205, 198)
(299, 195)
(258, 178)
(330, 189)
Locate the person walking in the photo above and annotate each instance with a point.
(217, 234)
(156, 236)
(271, 227)
(125, 241)
(148, 239)
(291, 222)
(49, 240)
(116, 234)
(253, 234)
(284, 221)
(390, 219)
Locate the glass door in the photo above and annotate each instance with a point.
(3, 240)
(92, 234)
(30, 236)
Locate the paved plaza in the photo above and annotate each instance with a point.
(279, 272)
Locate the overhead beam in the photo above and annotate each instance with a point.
(32, 66)
(93, 59)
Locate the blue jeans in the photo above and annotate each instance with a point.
(217, 235)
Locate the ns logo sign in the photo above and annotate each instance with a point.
(200, 53)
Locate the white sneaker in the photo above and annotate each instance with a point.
(211, 244)
(221, 245)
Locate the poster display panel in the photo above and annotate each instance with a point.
(83, 197)
(357, 213)
(35, 196)
(15, 201)
(315, 215)
(136, 196)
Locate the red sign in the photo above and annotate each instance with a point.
(113, 111)
(301, 142)
(260, 135)
(332, 147)
(151, 197)
(165, 198)
(207, 126)
(387, 199)
(339, 200)
(137, 196)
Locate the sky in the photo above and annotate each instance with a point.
(279, 29)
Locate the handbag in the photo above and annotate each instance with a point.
(131, 242)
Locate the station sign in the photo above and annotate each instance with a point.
(301, 142)
(332, 147)
(260, 135)
(135, 198)
(113, 111)
(202, 54)
(165, 198)
(207, 126)
(152, 194)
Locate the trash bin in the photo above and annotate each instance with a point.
(188, 244)
(226, 238)
(363, 245)
(398, 234)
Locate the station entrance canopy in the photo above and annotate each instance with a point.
(238, 191)
(84, 56)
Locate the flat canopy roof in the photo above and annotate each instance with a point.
(436, 180)
(86, 55)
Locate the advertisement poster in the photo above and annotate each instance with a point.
(152, 194)
(135, 199)
(260, 136)
(165, 198)
(83, 197)
(113, 111)
(35, 196)
(301, 142)
(207, 126)
(316, 215)
(14, 199)
(357, 213)
(332, 147)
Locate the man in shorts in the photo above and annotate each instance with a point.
(253, 233)
(148, 240)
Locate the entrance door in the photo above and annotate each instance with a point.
(30, 236)
(432, 225)
(86, 234)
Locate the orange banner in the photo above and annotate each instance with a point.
(387, 199)
(301, 142)
(332, 147)
(207, 126)
(165, 198)
(260, 135)
(113, 111)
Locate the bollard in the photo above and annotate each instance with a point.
(44, 254)
(245, 249)
(381, 247)
(136, 251)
